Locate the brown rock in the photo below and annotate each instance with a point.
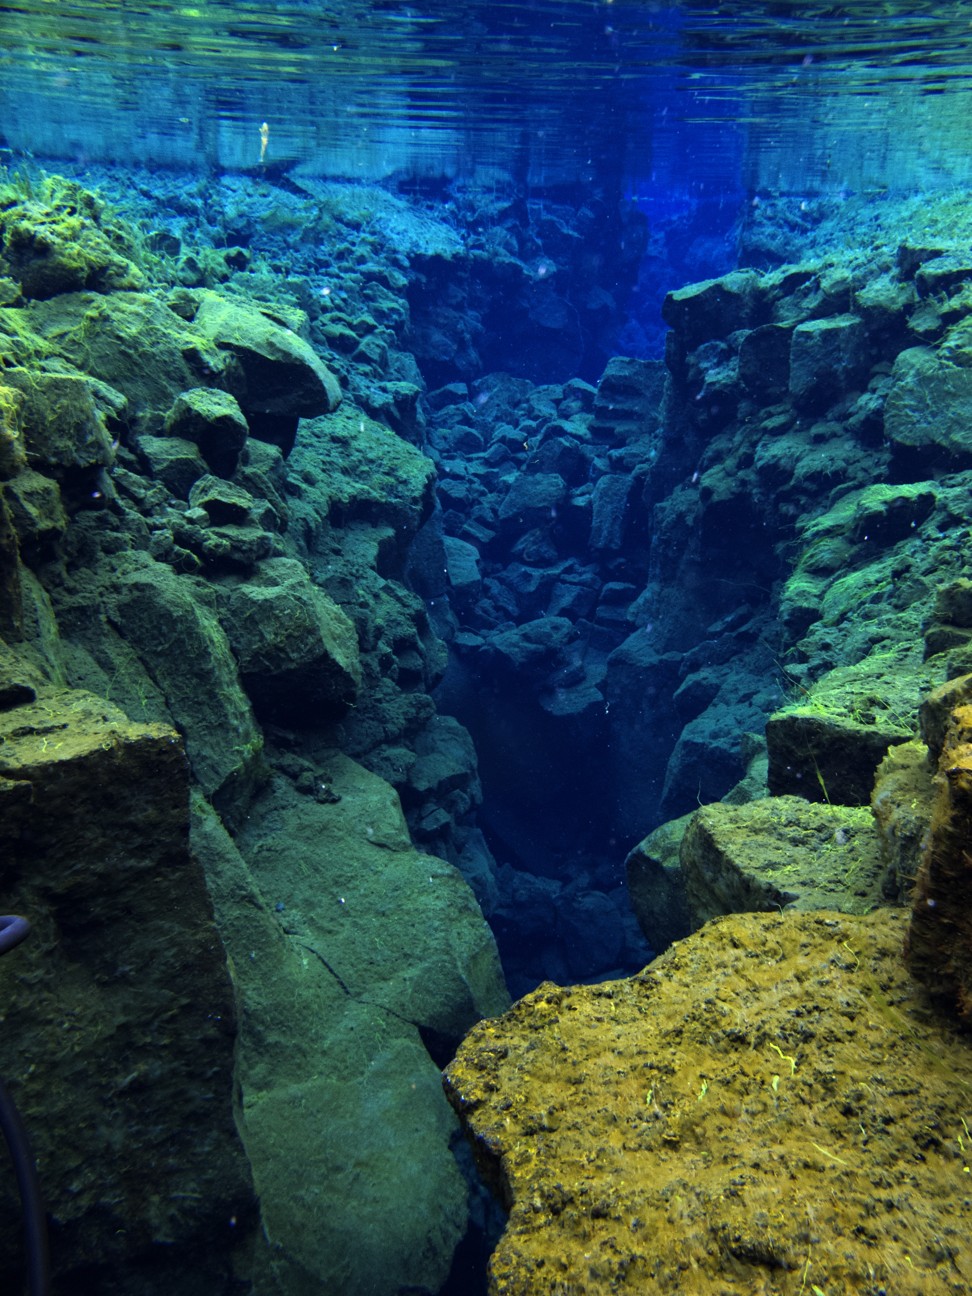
(767, 1107)
(940, 936)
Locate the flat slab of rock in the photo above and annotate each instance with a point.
(827, 745)
(768, 1102)
(780, 852)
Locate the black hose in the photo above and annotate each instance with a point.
(12, 931)
(35, 1220)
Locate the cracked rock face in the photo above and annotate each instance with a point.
(802, 1123)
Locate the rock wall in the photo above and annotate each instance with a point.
(206, 507)
(762, 535)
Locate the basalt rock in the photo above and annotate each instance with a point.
(940, 935)
(119, 1013)
(732, 1118)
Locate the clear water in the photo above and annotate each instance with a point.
(698, 108)
(807, 97)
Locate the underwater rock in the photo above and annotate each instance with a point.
(223, 526)
(828, 745)
(443, 772)
(355, 470)
(61, 240)
(656, 887)
(533, 649)
(170, 621)
(591, 933)
(36, 512)
(346, 983)
(715, 308)
(65, 418)
(736, 1116)
(214, 421)
(280, 374)
(11, 596)
(297, 651)
(828, 357)
(764, 361)
(628, 399)
(224, 503)
(902, 807)
(950, 624)
(780, 852)
(13, 456)
(177, 464)
(133, 342)
(119, 1013)
(612, 497)
(928, 413)
(531, 501)
(462, 566)
(939, 940)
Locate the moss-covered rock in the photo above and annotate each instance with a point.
(214, 421)
(939, 938)
(133, 342)
(279, 373)
(735, 1113)
(828, 357)
(779, 852)
(297, 651)
(928, 414)
(337, 925)
(171, 623)
(176, 463)
(36, 511)
(67, 419)
(902, 805)
(61, 239)
(827, 745)
(356, 470)
(656, 886)
(119, 1014)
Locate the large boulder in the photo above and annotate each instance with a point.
(928, 412)
(732, 1119)
(119, 1017)
(780, 852)
(67, 418)
(279, 373)
(170, 621)
(133, 342)
(213, 420)
(356, 957)
(296, 650)
(61, 239)
(827, 744)
(828, 357)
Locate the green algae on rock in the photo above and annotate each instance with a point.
(121, 1055)
(780, 853)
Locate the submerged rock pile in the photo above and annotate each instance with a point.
(202, 601)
